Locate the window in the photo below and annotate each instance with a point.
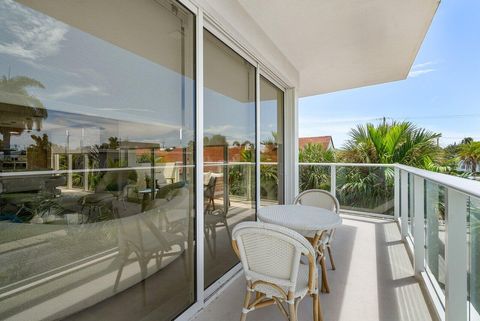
(271, 143)
(229, 152)
(96, 158)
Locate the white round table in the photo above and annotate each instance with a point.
(306, 220)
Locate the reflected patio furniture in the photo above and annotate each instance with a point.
(174, 209)
(209, 192)
(322, 199)
(140, 237)
(33, 194)
(96, 204)
(213, 218)
(170, 172)
(271, 255)
(113, 185)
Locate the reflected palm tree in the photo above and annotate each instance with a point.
(20, 110)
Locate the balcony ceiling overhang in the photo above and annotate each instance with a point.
(343, 44)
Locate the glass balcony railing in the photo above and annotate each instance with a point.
(364, 188)
(439, 217)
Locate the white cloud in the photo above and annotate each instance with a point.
(69, 91)
(222, 130)
(422, 69)
(30, 35)
(336, 120)
(416, 73)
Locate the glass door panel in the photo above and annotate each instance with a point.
(96, 160)
(271, 143)
(229, 152)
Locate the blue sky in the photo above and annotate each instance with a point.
(442, 92)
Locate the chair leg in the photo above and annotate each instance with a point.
(246, 303)
(332, 262)
(317, 310)
(320, 314)
(228, 228)
(325, 286)
(292, 311)
(117, 279)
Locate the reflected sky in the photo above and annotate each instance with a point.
(88, 76)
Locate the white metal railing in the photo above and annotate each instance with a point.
(438, 219)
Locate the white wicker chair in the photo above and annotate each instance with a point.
(322, 199)
(270, 255)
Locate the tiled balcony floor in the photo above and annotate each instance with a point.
(373, 281)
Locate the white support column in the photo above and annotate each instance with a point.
(397, 194)
(199, 161)
(85, 172)
(456, 257)
(57, 162)
(257, 139)
(333, 180)
(70, 173)
(404, 203)
(419, 225)
(291, 145)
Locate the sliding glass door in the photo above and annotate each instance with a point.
(271, 143)
(229, 152)
(97, 166)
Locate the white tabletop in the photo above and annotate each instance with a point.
(300, 218)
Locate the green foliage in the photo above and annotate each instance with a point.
(470, 154)
(389, 143)
(369, 188)
(215, 140)
(312, 177)
(18, 86)
(145, 158)
(315, 153)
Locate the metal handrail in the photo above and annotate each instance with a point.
(465, 186)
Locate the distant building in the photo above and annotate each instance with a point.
(325, 141)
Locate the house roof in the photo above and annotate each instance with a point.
(325, 141)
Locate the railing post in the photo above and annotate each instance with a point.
(419, 224)
(404, 203)
(396, 188)
(456, 256)
(432, 239)
(85, 172)
(70, 173)
(333, 180)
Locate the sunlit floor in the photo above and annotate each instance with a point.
(373, 281)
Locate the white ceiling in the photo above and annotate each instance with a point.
(342, 44)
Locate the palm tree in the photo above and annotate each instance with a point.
(470, 154)
(396, 142)
(30, 109)
(312, 176)
(385, 143)
(466, 140)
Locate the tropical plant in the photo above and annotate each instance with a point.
(15, 89)
(215, 140)
(384, 143)
(314, 176)
(389, 143)
(470, 154)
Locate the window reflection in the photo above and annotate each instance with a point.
(229, 152)
(96, 159)
(271, 143)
